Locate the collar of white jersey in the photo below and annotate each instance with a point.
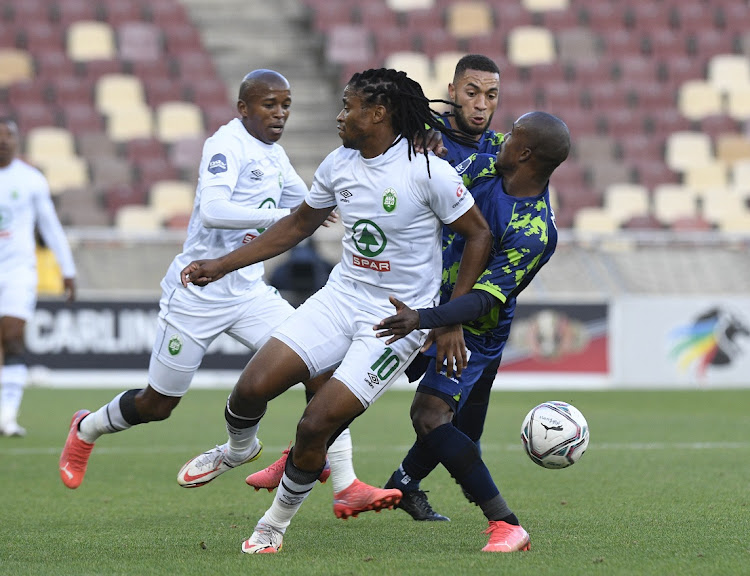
(395, 149)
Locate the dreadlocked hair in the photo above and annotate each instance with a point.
(411, 112)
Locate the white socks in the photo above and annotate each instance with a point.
(289, 497)
(106, 420)
(12, 382)
(340, 459)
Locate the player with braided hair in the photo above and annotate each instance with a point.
(392, 206)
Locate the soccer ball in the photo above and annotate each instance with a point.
(555, 434)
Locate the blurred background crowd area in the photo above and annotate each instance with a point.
(115, 98)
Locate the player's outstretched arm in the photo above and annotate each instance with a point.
(460, 310)
(286, 233)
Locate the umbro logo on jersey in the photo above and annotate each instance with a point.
(372, 380)
(257, 174)
(346, 194)
(217, 164)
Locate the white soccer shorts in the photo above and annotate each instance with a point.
(186, 328)
(334, 328)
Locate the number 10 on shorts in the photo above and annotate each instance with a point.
(386, 364)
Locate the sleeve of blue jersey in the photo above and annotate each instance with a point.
(476, 168)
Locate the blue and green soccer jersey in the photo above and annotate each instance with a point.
(488, 143)
(525, 237)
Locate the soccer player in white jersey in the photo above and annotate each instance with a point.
(25, 203)
(393, 205)
(245, 184)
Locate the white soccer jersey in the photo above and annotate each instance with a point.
(260, 176)
(25, 201)
(392, 214)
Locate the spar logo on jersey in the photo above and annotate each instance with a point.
(268, 204)
(389, 200)
(370, 241)
(175, 345)
(217, 164)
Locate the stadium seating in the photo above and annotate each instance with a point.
(626, 201)
(86, 80)
(630, 78)
(135, 121)
(139, 41)
(63, 173)
(15, 66)
(46, 142)
(531, 45)
(545, 5)
(90, 40)
(171, 198)
(687, 149)
(712, 174)
(137, 218)
(469, 18)
(178, 120)
(673, 202)
(698, 99)
(594, 220)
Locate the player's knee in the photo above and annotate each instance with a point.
(14, 345)
(154, 407)
(312, 428)
(429, 412)
(425, 421)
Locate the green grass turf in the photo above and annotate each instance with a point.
(663, 489)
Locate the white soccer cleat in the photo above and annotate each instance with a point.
(265, 540)
(13, 429)
(203, 468)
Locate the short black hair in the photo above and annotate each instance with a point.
(475, 62)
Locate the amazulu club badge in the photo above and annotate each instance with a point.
(175, 345)
(389, 200)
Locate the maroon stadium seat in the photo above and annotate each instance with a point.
(79, 118)
(34, 114)
(160, 90)
(144, 149)
(30, 11)
(69, 11)
(139, 41)
(41, 36)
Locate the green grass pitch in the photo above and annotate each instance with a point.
(664, 488)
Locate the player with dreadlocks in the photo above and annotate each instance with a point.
(392, 208)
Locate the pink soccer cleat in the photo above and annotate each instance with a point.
(270, 477)
(361, 497)
(506, 537)
(75, 455)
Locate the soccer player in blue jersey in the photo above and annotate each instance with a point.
(512, 193)
(476, 91)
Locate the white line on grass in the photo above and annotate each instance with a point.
(486, 447)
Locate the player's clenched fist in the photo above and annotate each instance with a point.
(202, 272)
